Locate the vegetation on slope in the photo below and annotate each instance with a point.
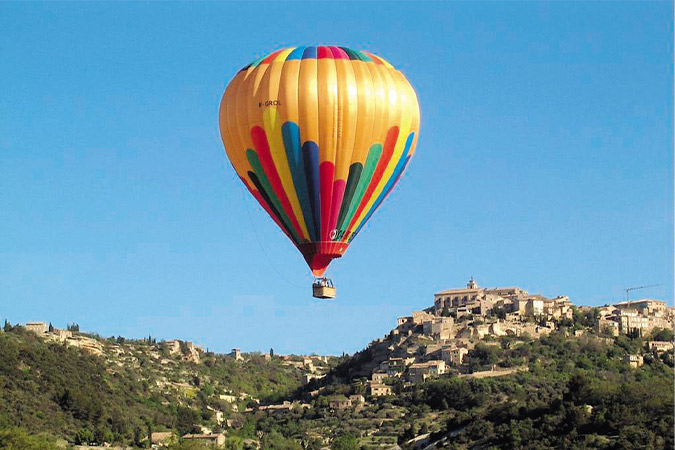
(577, 392)
(121, 397)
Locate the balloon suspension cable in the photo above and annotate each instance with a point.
(255, 232)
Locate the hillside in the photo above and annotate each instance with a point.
(568, 392)
(435, 381)
(115, 390)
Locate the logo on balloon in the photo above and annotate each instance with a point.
(269, 103)
(337, 235)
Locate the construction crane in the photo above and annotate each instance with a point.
(637, 288)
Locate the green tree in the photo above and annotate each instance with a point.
(84, 437)
(345, 441)
(662, 334)
(186, 420)
(18, 439)
(276, 441)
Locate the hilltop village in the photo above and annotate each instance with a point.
(435, 341)
(445, 339)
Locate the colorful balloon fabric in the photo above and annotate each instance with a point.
(319, 136)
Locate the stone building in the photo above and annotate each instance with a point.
(459, 300)
(216, 440)
(480, 301)
(60, 335)
(236, 354)
(37, 327)
(421, 371)
(379, 389)
(634, 360)
(645, 306)
(630, 321)
(438, 327)
(161, 438)
(636, 316)
(378, 377)
(339, 403)
(559, 307)
(660, 346)
(453, 355)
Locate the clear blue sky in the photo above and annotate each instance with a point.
(545, 161)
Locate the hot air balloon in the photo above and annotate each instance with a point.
(319, 136)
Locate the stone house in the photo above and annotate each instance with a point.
(378, 377)
(339, 403)
(438, 327)
(634, 360)
(453, 355)
(61, 335)
(161, 438)
(217, 440)
(421, 371)
(660, 346)
(379, 389)
(37, 327)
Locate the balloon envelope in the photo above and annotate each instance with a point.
(319, 136)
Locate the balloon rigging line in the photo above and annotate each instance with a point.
(255, 232)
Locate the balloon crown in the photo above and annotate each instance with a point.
(318, 52)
